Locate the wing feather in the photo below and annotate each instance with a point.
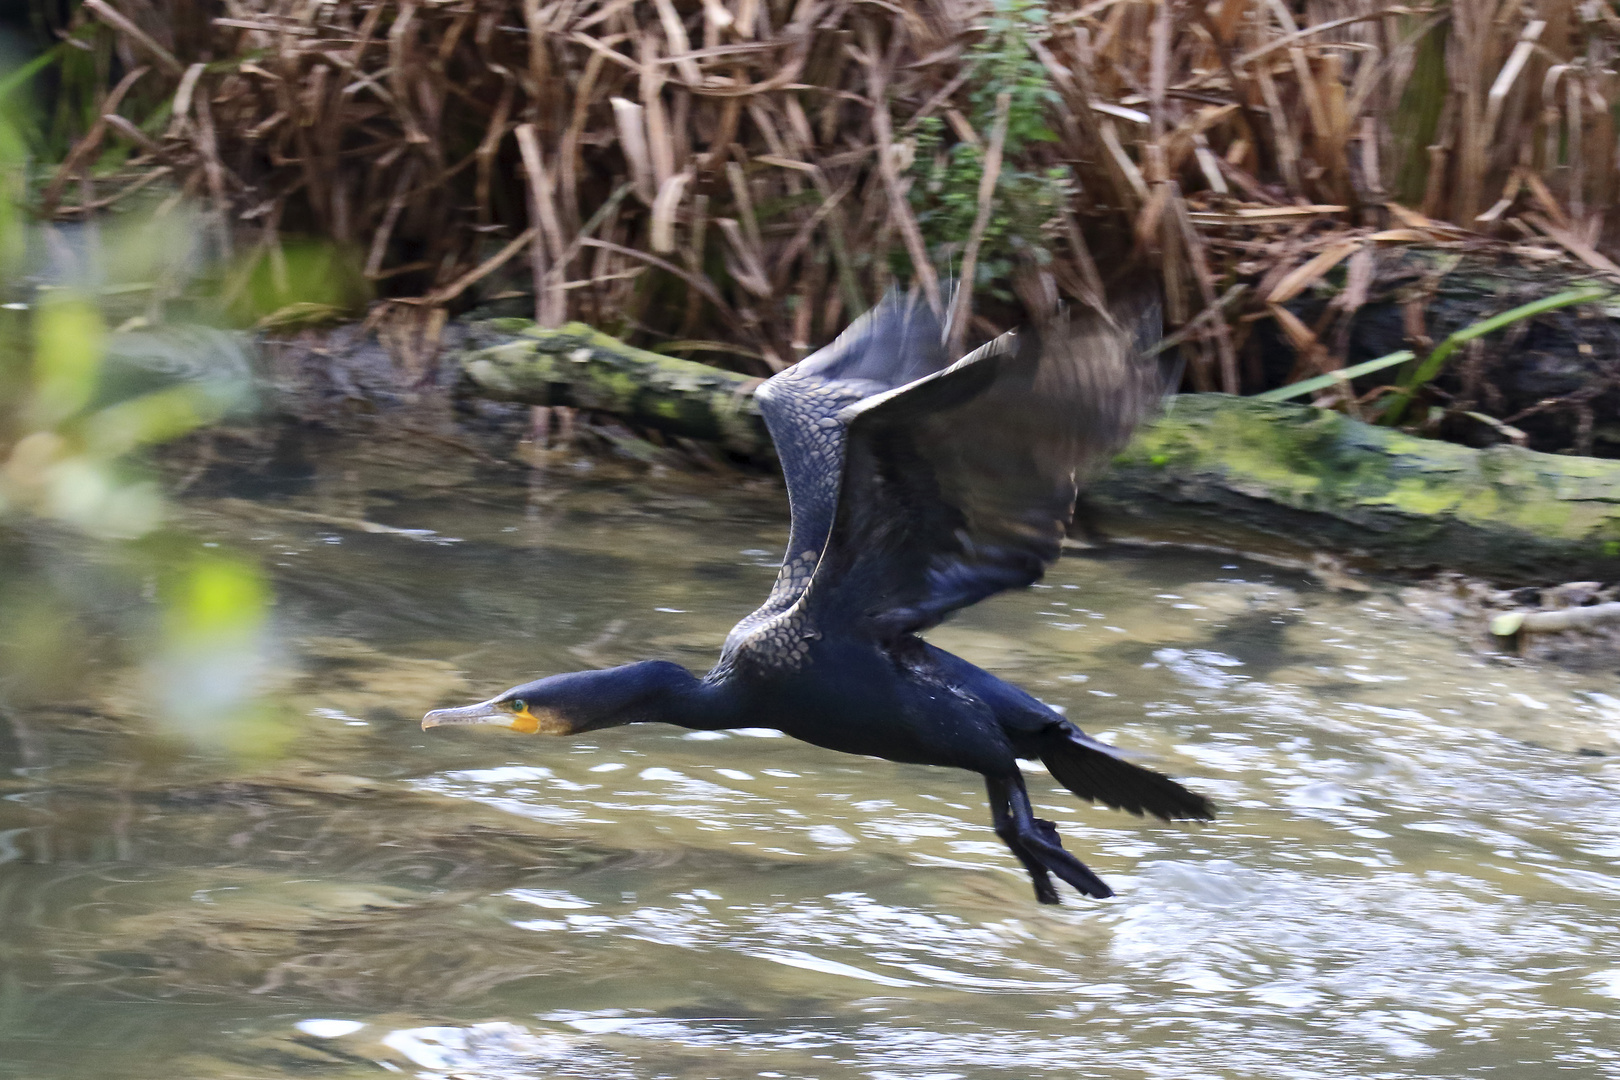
(961, 484)
(895, 343)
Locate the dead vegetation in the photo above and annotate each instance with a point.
(735, 178)
(1572, 625)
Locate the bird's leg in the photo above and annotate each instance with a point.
(1001, 820)
(1040, 839)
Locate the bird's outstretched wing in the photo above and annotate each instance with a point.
(961, 484)
(895, 343)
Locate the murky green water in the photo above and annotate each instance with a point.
(1413, 876)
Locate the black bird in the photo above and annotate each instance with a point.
(917, 487)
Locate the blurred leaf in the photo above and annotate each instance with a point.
(306, 277)
(13, 84)
(220, 599)
(152, 418)
(91, 495)
(69, 337)
(207, 676)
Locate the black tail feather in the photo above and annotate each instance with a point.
(1092, 771)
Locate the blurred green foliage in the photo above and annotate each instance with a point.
(68, 342)
(1027, 201)
(65, 449)
(78, 404)
(215, 601)
(298, 284)
(203, 680)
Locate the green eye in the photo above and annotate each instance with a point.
(518, 704)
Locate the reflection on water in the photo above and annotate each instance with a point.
(1413, 874)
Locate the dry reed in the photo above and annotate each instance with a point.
(741, 176)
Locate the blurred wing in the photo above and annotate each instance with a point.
(895, 343)
(962, 484)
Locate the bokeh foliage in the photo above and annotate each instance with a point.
(73, 486)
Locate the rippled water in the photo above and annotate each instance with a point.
(1413, 874)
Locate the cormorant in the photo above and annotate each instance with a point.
(917, 487)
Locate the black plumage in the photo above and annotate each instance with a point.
(917, 487)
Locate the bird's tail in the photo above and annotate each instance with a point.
(1094, 771)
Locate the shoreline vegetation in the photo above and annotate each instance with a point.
(1400, 216)
(1318, 184)
(1213, 469)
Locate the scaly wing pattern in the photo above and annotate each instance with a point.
(962, 484)
(895, 343)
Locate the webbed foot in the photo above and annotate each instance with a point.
(1036, 843)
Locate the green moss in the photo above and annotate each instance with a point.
(617, 385)
(1417, 497)
(1416, 500)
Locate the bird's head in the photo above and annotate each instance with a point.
(577, 702)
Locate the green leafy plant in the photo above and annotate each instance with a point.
(1028, 197)
(1430, 368)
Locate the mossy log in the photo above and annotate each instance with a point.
(1225, 469)
(584, 368)
(1214, 468)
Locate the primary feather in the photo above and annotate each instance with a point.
(918, 488)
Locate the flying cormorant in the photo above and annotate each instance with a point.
(917, 487)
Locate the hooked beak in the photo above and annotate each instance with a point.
(496, 714)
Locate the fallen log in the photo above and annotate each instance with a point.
(1555, 622)
(587, 369)
(1213, 469)
(1232, 470)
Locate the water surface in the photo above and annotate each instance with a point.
(1413, 874)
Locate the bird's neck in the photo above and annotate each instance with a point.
(669, 694)
(700, 705)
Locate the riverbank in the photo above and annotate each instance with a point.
(1214, 467)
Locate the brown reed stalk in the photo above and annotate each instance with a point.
(771, 146)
